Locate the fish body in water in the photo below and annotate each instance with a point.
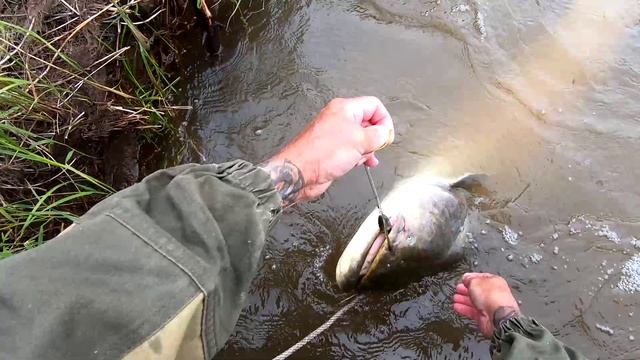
(429, 222)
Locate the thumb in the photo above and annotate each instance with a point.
(468, 277)
(377, 137)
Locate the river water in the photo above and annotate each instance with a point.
(542, 95)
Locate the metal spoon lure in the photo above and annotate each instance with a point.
(383, 220)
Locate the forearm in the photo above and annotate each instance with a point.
(175, 251)
(519, 337)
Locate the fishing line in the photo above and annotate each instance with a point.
(319, 330)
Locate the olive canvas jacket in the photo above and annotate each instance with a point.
(159, 271)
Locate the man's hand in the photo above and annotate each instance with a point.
(486, 299)
(344, 135)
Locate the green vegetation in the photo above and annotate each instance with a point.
(69, 78)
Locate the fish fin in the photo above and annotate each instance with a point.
(473, 183)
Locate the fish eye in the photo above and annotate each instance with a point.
(411, 239)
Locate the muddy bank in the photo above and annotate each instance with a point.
(89, 101)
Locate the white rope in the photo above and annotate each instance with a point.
(317, 331)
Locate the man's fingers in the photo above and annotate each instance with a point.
(462, 290)
(466, 311)
(370, 110)
(462, 299)
(371, 160)
(376, 137)
(468, 277)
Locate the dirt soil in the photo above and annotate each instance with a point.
(111, 140)
(119, 148)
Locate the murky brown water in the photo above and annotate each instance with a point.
(541, 93)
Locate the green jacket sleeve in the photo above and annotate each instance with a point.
(158, 270)
(524, 338)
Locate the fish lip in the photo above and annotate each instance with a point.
(398, 228)
(352, 268)
(366, 266)
(355, 253)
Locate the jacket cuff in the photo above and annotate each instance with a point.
(519, 324)
(258, 182)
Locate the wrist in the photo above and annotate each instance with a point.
(287, 177)
(296, 158)
(503, 313)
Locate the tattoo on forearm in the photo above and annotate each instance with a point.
(287, 178)
(503, 312)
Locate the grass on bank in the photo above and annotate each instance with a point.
(45, 95)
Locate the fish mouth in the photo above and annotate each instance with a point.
(367, 248)
(375, 249)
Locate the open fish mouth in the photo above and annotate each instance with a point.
(365, 251)
(373, 252)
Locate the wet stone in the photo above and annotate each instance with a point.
(510, 257)
(556, 250)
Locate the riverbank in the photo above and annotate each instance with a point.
(86, 92)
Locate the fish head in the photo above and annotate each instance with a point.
(428, 226)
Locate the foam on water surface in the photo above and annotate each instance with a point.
(510, 236)
(630, 280)
(605, 329)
